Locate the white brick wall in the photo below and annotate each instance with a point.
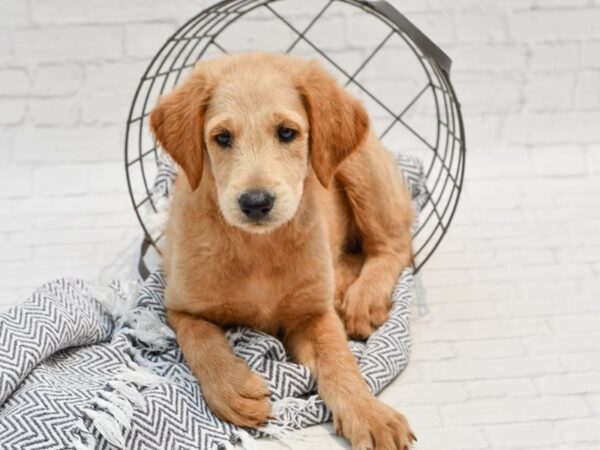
(508, 357)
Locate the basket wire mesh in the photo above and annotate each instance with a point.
(402, 78)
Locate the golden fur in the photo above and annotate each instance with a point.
(333, 245)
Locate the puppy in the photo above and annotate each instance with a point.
(288, 217)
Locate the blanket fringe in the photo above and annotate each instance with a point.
(288, 413)
(112, 410)
(119, 302)
(247, 441)
(147, 327)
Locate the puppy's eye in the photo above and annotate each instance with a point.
(224, 139)
(286, 134)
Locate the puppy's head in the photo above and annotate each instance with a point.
(259, 122)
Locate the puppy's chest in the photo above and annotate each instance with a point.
(251, 295)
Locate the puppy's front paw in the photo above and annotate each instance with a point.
(365, 309)
(238, 396)
(373, 425)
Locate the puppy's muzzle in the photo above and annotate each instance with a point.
(256, 205)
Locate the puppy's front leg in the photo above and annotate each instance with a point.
(230, 389)
(320, 343)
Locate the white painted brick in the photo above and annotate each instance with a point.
(53, 80)
(582, 362)
(144, 40)
(105, 107)
(63, 221)
(550, 92)
(14, 13)
(426, 393)
(544, 129)
(12, 112)
(486, 25)
(113, 77)
(486, 58)
(69, 12)
(446, 277)
(49, 252)
(458, 260)
(68, 236)
(554, 57)
(504, 388)
(464, 311)
(150, 10)
(514, 410)
(561, 4)
(491, 348)
(15, 82)
(555, 344)
(91, 204)
(526, 257)
(68, 44)
(5, 144)
(51, 181)
(587, 254)
(432, 351)
(485, 292)
(587, 94)
(491, 369)
(53, 145)
(594, 401)
(12, 253)
(5, 47)
(10, 222)
(107, 178)
(575, 324)
(15, 183)
(580, 383)
(523, 435)
(51, 111)
(548, 305)
(452, 439)
(421, 417)
(589, 54)
(129, 221)
(580, 430)
(546, 272)
(544, 25)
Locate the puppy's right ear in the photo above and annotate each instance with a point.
(178, 122)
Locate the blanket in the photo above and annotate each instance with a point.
(85, 367)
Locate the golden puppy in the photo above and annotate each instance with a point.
(288, 208)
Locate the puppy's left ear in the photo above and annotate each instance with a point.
(338, 122)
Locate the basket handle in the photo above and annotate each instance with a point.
(426, 45)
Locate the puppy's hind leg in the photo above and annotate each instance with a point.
(382, 211)
(347, 271)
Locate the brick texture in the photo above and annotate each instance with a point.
(508, 356)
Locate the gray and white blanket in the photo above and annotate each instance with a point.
(75, 373)
(84, 366)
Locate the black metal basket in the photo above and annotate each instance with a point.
(401, 76)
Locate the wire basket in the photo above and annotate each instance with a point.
(402, 78)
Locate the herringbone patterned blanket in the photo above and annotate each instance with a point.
(90, 367)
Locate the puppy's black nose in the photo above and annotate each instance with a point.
(256, 204)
